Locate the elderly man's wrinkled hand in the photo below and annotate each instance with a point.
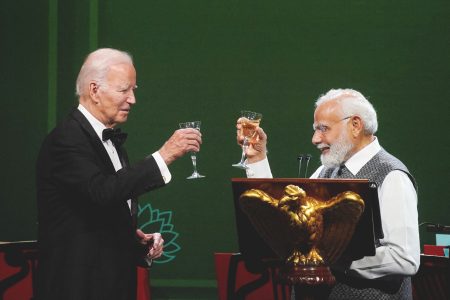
(154, 241)
(181, 142)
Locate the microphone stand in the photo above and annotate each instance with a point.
(301, 158)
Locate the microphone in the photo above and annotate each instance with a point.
(436, 228)
(300, 160)
(308, 158)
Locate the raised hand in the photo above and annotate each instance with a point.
(181, 142)
(257, 146)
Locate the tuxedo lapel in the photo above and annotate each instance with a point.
(123, 156)
(93, 138)
(134, 204)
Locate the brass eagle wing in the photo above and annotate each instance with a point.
(340, 217)
(278, 227)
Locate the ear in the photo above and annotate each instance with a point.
(357, 125)
(93, 91)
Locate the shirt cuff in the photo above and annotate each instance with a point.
(260, 169)
(162, 167)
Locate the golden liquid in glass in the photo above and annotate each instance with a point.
(249, 128)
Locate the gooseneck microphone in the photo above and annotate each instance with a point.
(307, 158)
(301, 158)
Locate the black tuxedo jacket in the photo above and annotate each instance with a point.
(88, 247)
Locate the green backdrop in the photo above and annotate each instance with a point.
(207, 60)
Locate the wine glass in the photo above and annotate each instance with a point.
(195, 125)
(250, 122)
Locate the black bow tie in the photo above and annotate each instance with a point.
(115, 135)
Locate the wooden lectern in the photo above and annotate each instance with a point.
(305, 225)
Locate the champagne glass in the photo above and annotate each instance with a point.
(195, 125)
(250, 122)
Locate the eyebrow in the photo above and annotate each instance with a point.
(126, 86)
(315, 126)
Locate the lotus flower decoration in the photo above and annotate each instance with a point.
(155, 220)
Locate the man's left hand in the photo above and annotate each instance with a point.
(154, 241)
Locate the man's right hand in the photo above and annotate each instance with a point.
(257, 146)
(181, 142)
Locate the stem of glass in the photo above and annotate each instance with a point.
(244, 149)
(194, 161)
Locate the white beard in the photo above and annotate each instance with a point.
(337, 153)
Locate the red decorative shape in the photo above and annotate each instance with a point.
(143, 284)
(433, 250)
(21, 289)
(234, 278)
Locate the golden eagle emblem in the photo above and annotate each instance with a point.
(301, 229)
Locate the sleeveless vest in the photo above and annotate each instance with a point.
(376, 171)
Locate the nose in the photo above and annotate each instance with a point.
(131, 99)
(317, 137)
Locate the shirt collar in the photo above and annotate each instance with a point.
(95, 123)
(360, 158)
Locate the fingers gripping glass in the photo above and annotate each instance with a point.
(249, 124)
(195, 125)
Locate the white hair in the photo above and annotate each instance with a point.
(353, 103)
(96, 67)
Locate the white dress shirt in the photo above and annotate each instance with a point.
(112, 152)
(399, 253)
